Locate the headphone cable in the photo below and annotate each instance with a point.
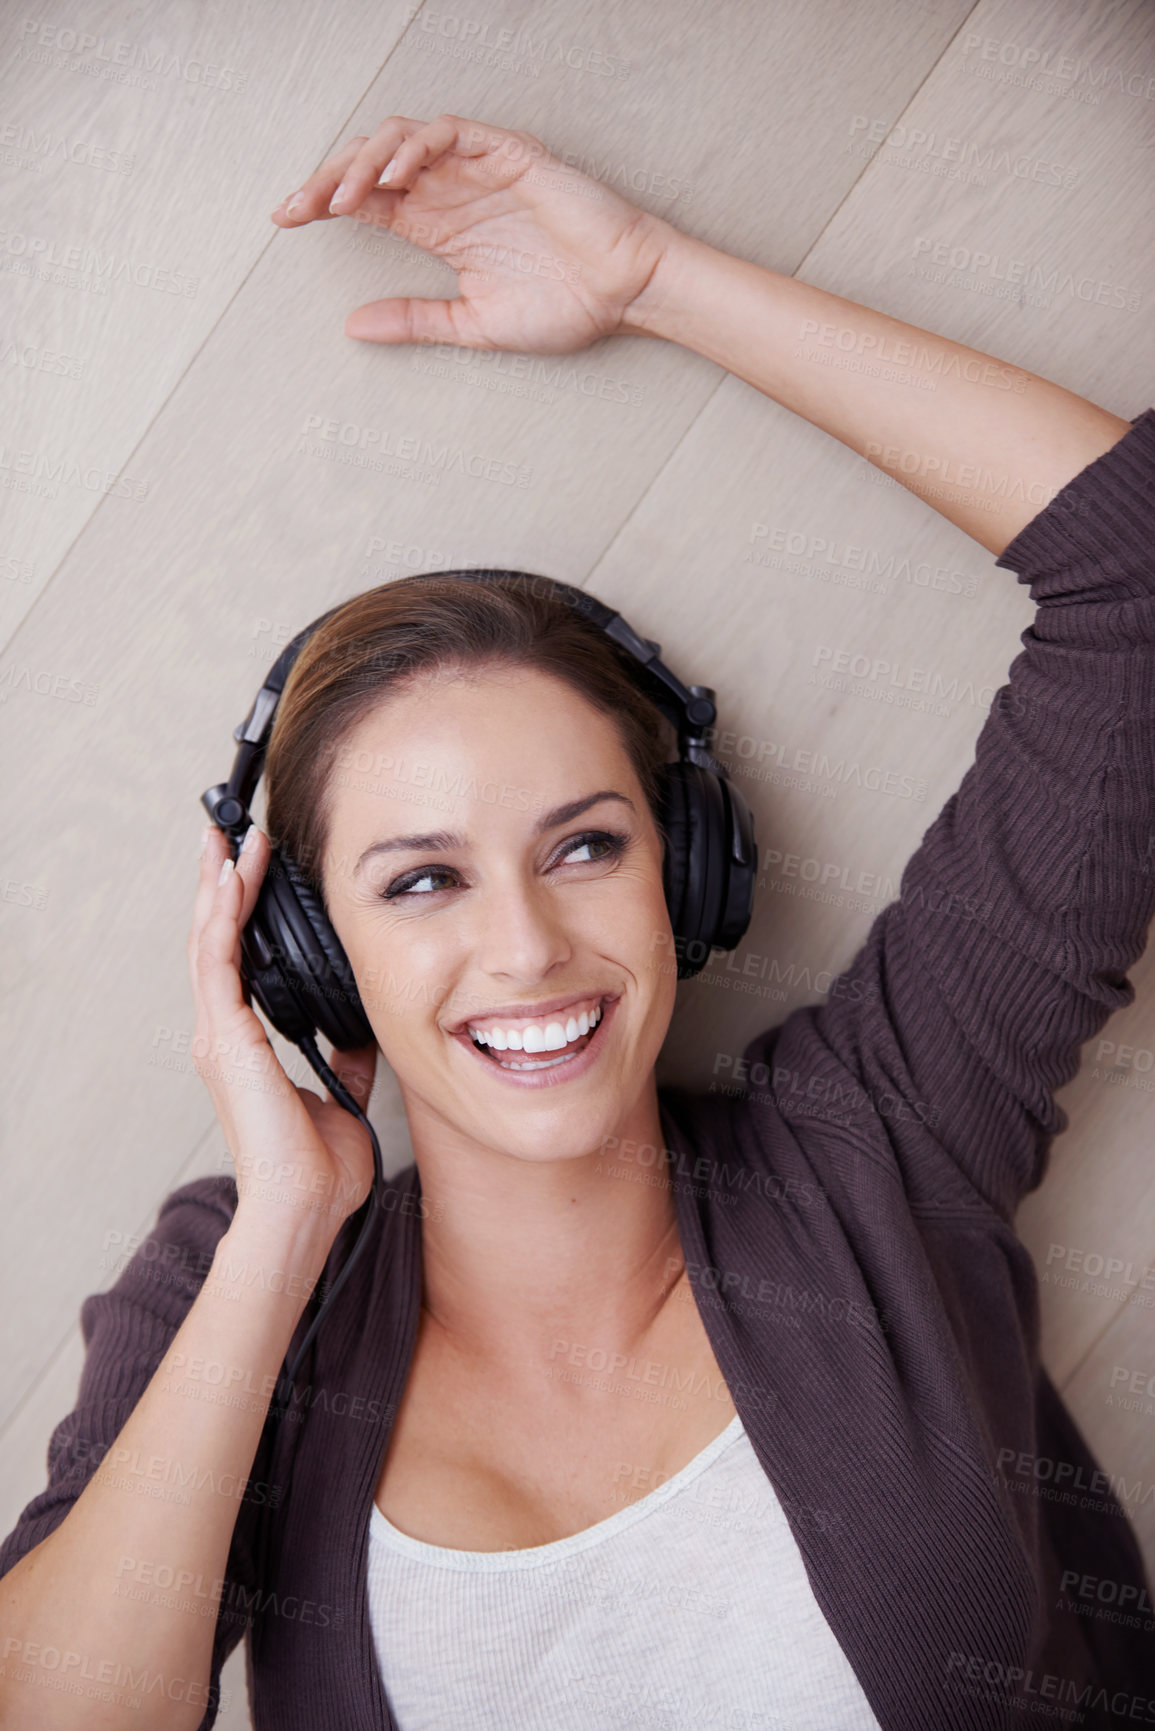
(341, 1094)
(286, 1379)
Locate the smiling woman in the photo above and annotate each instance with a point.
(621, 1359)
(539, 903)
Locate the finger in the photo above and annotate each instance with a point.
(252, 863)
(423, 148)
(415, 321)
(215, 849)
(363, 173)
(311, 202)
(468, 138)
(216, 978)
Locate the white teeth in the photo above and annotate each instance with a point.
(551, 1037)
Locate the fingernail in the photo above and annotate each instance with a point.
(387, 174)
(250, 838)
(291, 207)
(337, 196)
(205, 834)
(225, 870)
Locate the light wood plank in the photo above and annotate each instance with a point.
(141, 157)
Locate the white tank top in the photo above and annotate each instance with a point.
(689, 1608)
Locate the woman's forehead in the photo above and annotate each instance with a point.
(517, 742)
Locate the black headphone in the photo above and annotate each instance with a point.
(292, 959)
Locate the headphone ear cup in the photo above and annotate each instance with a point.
(692, 814)
(711, 863)
(742, 869)
(294, 963)
(675, 828)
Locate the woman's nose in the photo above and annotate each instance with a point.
(520, 932)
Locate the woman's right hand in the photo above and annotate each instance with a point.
(301, 1161)
(548, 259)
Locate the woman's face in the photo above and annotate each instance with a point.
(494, 873)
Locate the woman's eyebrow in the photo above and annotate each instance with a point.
(567, 813)
(440, 841)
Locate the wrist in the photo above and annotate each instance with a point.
(280, 1252)
(665, 306)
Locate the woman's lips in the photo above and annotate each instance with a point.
(539, 1069)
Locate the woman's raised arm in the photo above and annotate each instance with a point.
(549, 260)
(987, 444)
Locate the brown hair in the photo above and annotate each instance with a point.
(379, 638)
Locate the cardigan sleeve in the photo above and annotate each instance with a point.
(127, 1331)
(1031, 893)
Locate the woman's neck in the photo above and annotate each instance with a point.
(521, 1255)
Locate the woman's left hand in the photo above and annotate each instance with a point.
(548, 260)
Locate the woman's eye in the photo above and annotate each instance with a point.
(422, 883)
(588, 849)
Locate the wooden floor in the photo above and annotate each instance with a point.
(170, 515)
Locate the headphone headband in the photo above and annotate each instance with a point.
(690, 709)
(711, 855)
